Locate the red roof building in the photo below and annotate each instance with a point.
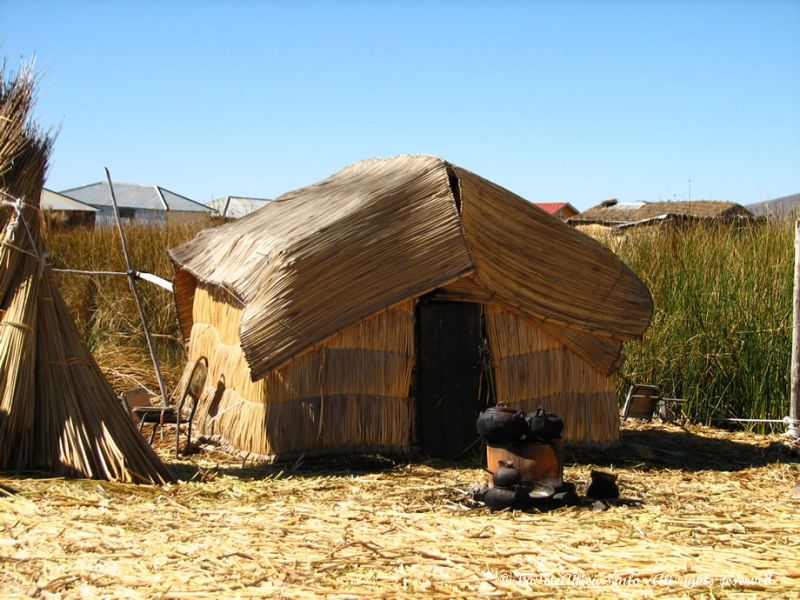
(562, 210)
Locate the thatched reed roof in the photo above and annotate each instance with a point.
(57, 412)
(613, 212)
(380, 231)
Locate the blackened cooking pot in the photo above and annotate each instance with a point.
(544, 425)
(507, 476)
(499, 498)
(501, 424)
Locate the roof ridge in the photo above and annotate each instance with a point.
(182, 196)
(161, 197)
(241, 198)
(113, 182)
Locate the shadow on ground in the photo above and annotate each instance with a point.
(329, 466)
(680, 448)
(644, 446)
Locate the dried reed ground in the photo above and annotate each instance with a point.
(715, 505)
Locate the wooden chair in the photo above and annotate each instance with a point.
(176, 414)
(135, 398)
(643, 401)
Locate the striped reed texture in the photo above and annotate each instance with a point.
(301, 288)
(321, 258)
(532, 261)
(532, 368)
(57, 412)
(348, 393)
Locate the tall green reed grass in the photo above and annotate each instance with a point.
(721, 331)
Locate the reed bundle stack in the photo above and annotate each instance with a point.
(57, 412)
(306, 309)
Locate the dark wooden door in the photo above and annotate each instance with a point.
(448, 376)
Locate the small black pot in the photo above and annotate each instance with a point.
(603, 486)
(544, 425)
(501, 424)
(507, 476)
(499, 498)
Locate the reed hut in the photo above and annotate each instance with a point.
(383, 307)
(57, 412)
(612, 216)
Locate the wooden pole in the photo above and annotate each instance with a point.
(794, 409)
(132, 277)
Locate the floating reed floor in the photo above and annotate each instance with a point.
(714, 508)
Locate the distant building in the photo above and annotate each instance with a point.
(236, 207)
(140, 203)
(63, 212)
(785, 206)
(614, 216)
(562, 210)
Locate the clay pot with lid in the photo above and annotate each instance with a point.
(507, 476)
(501, 424)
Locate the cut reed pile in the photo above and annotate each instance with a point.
(57, 412)
(380, 530)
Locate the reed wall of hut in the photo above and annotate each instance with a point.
(351, 392)
(532, 368)
(68, 219)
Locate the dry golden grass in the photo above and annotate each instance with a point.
(714, 507)
(103, 307)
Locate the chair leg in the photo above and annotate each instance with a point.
(627, 408)
(153, 433)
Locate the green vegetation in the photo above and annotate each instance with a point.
(720, 336)
(721, 330)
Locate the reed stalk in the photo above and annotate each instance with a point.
(721, 331)
(57, 412)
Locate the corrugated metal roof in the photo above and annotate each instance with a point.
(132, 195)
(235, 207)
(51, 200)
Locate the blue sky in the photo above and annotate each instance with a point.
(575, 101)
